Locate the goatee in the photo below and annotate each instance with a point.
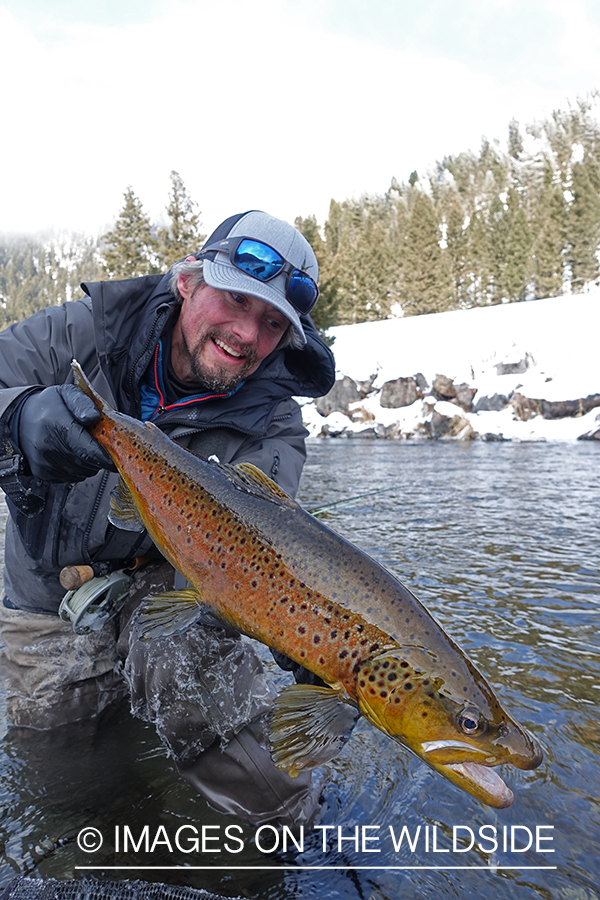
(219, 378)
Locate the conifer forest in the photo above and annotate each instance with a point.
(511, 222)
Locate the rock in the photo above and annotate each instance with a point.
(456, 427)
(516, 368)
(365, 387)
(593, 434)
(365, 433)
(339, 398)
(464, 396)
(562, 408)
(460, 394)
(422, 382)
(400, 392)
(443, 388)
(527, 407)
(491, 404)
(490, 436)
(360, 414)
(590, 435)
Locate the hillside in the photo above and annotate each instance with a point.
(533, 358)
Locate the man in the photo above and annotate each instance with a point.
(212, 353)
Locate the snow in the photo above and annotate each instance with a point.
(558, 338)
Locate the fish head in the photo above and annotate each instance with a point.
(449, 717)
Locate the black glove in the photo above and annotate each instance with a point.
(52, 440)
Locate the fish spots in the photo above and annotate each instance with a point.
(301, 629)
(317, 639)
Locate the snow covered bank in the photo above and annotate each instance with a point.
(509, 371)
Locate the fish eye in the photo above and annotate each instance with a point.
(471, 722)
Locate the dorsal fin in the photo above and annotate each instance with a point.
(247, 477)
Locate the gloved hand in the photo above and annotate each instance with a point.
(52, 436)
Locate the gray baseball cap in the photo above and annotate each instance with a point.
(220, 273)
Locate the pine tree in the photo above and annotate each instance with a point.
(584, 225)
(519, 265)
(325, 313)
(477, 256)
(130, 248)
(182, 237)
(498, 223)
(549, 243)
(425, 276)
(456, 242)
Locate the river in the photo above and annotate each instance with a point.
(501, 542)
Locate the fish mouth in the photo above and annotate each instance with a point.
(472, 775)
(480, 781)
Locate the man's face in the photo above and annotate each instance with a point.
(220, 337)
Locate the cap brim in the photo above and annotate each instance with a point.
(225, 277)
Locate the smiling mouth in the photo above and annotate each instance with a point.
(226, 348)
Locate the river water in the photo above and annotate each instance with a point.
(501, 542)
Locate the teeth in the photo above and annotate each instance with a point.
(228, 349)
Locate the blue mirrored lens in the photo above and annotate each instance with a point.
(301, 291)
(258, 260)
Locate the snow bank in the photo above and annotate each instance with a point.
(542, 349)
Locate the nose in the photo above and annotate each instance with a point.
(246, 327)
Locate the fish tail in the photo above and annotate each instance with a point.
(82, 382)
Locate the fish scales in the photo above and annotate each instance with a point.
(250, 583)
(281, 576)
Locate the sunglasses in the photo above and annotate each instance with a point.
(263, 262)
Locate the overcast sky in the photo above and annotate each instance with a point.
(272, 104)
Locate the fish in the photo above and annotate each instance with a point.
(260, 562)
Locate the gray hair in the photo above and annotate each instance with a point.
(194, 268)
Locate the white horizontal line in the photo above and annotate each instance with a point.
(492, 868)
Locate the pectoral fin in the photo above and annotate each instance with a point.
(170, 613)
(309, 727)
(123, 512)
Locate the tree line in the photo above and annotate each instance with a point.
(505, 224)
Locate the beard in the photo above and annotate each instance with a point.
(218, 378)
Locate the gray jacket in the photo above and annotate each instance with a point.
(113, 332)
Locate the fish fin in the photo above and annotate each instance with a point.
(309, 726)
(123, 512)
(247, 477)
(170, 613)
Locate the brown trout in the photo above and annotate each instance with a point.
(278, 574)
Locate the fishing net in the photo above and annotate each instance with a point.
(50, 889)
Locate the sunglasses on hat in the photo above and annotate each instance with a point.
(263, 262)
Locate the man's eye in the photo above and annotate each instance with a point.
(239, 298)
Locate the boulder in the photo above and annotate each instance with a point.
(443, 388)
(559, 409)
(464, 396)
(490, 404)
(527, 407)
(460, 394)
(400, 392)
(342, 394)
(456, 427)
